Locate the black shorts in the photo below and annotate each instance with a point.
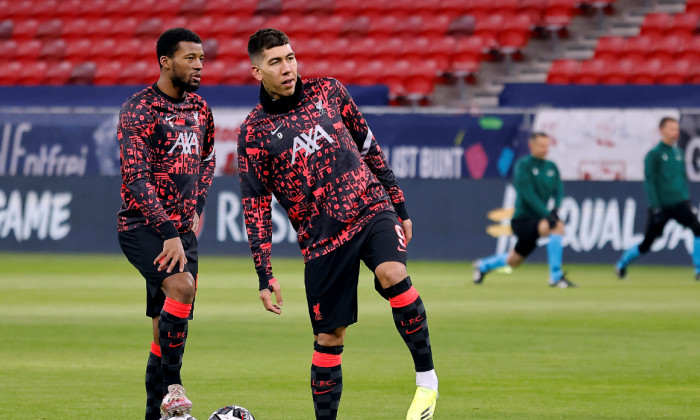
(683, 213)
(141, 246)
(527, 233)
(331, 279)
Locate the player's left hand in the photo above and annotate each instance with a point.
(407, 226)
(195, 222)
(266, 297)
(173, 254)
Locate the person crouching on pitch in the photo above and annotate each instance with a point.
(536, 180)
(307, 144)
(666, 185)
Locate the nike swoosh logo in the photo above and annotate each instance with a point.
(411, 332)
(323, 392)
(176, 345)
(276, 130)
(170, 117)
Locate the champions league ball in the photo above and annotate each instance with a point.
(231, 412)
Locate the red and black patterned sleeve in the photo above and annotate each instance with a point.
(257, 202)
(370, 150)
(207, 165)
(136, 125)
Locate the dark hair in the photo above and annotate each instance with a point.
(169, 41)
(264, 39)
(664, 120)
(537, 134)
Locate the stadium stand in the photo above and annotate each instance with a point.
(421, 50)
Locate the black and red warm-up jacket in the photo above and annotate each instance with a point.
(167, 160)
(316, 154)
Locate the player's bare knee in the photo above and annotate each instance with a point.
(390, 273)
(180, 287)
(334, 338)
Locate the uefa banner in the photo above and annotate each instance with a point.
(601, 144)
(417, 145)
(453, 219)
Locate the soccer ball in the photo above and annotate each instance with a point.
(231, 412)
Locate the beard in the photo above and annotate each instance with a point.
(179, 82)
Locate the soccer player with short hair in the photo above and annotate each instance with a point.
(666, 186)
(536, 181)
(307, 144)
(166, 139)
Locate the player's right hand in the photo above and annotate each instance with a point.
(266, 297)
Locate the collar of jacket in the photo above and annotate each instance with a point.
(283, 104)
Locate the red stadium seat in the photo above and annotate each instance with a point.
(315, 68)
(32, 73)
(149, 29)
(53, 50)
(383, 26)
(490, 26)
(268, 7)
(435, 26)
(656, 24)
(124, 28)
(50, 29)
(9, 48)
(320, 7)
(692, 6)
(19, 9)
(78, 50)
(685, 23)
(57, 73)
(563, 72)
(666, 48)
(462, 26)
(470, 49)
(233, 50)
(338, 47)
(610, 47)
(28, 49)
(103, 49)
(25, 28)
(534, 9)
(240, 8)
(68, 10)
(10, 73)
(83, 73)
(456, 7)
(6, 28)
(356, 27)
(646, 72)
(202, 26)
(330, 27)
(690, 50)
(411, 26)
(675, 72)
(370, 72)
(107, 73)
(638, 47)
(302, 26)
(619, 72)
(76, 28)
(590, 72)
(139, 73)
(390, 48)
(192, 8)
(362, 47)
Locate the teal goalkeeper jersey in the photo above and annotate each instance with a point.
(536, 181)
(665, 181)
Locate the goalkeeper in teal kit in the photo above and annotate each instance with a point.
(536, 181)
(666, 186)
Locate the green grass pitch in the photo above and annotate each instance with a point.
(74, 342)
